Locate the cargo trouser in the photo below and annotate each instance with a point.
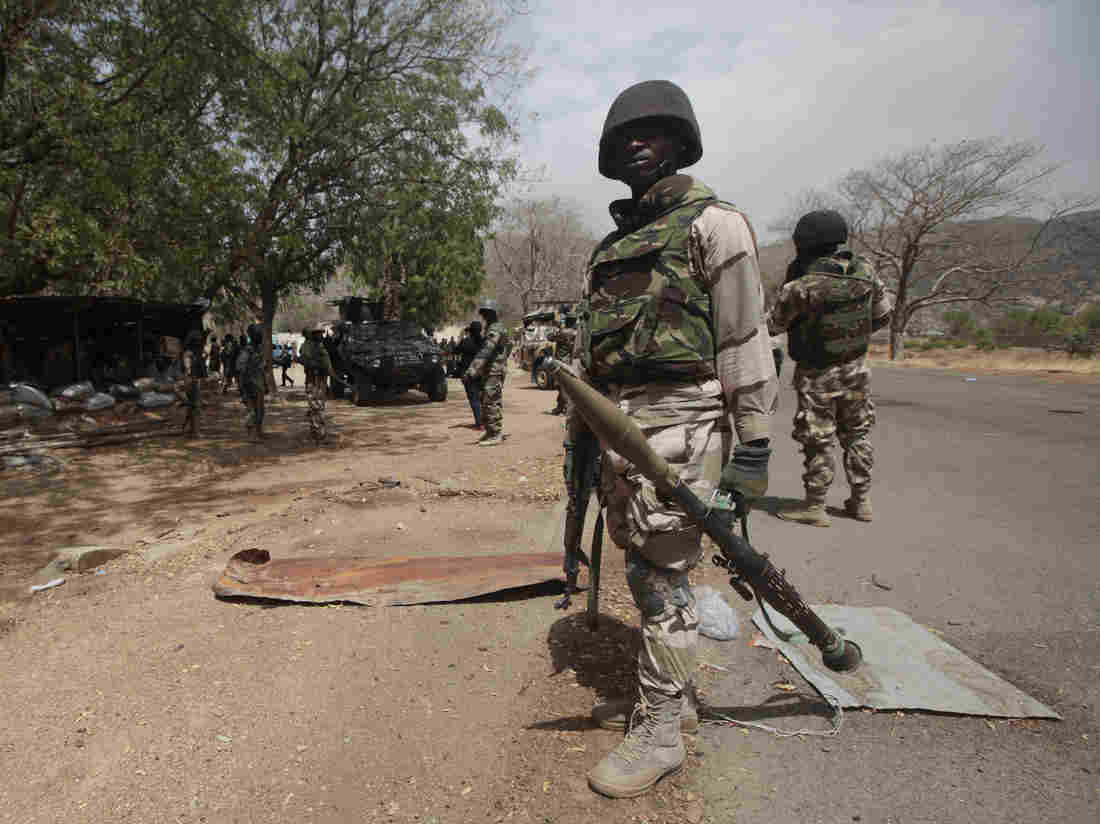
(662, 547)
(835, 401)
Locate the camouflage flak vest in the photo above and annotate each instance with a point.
(645, 317)
(843, 286)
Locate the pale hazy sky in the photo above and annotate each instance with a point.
(792, 95)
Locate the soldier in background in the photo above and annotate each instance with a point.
(215, 356)
(490, 366)
(563, 338)
(466, 350)
(691, 362)
(229, 361)
(318, 365)
(831, 303)
(250, 379)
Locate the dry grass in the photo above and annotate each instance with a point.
(1015, 359)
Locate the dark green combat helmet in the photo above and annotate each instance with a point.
(256, 333)
(651, 98)
(821, 228)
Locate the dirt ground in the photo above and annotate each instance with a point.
(133, 694)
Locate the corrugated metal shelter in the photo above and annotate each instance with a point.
(54, 340)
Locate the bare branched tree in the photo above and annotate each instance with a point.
(538, 252)
(953, 224)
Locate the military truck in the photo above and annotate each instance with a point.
(535, 346)
(383, 359)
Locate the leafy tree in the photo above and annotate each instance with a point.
(351, 114)
(109, 130)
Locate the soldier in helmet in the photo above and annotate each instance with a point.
(490, 366)
(672, 329)
(830, 304)
(564, 337)
(250, 378)
(318, 365)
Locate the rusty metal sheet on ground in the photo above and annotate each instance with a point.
(382, 582)
(905, 666)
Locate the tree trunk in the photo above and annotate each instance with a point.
(897, 341)
(270, 304)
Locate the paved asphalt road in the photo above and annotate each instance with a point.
(987, 508)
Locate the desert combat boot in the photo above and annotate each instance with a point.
(651, 750)
(859, 507)
(615, 715)
(811, 512)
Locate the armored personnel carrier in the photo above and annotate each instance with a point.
(382, 359)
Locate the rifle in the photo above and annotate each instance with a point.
(751, 573)
(585, 468)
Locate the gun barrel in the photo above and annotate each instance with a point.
(616, 431)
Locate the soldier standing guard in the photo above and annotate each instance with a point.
(490, 366)
(250, 379)
(563, 338)
(831, 302)
(672, 330)
(318, 365)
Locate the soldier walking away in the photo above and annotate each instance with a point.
(672, 329)
(250, 379)
(318, 365)
(229, 361)
(466, 350)
(563, 338)
(490, 366)
(286, 360)
(187, 386)
(215, 356)
(831, 303)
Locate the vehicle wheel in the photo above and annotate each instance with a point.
(437, 387)
(542, 378)
(363, 390)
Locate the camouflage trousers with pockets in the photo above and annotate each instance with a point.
(662, 546)
(316, 390)
(492, 404)
(835, 402)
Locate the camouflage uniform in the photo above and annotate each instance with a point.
(250, 379)
(318, 365)
(672, 330)
(491, 365)
(831, 304)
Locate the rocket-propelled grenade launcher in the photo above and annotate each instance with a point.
(615, 429)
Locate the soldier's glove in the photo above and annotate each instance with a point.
(745, 477)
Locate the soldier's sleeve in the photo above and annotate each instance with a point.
(485, 354)
(724, 259)
(882, 307)
(790, 304)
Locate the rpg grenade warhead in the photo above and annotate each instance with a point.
(824, 227)
(651, 99)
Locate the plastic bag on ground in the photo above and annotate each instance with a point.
(717, 619)
(27, 394)
(153, 400)
(100, 400)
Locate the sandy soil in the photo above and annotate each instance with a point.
(136, 695)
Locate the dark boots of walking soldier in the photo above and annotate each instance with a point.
(694, 354)
(831, 303)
